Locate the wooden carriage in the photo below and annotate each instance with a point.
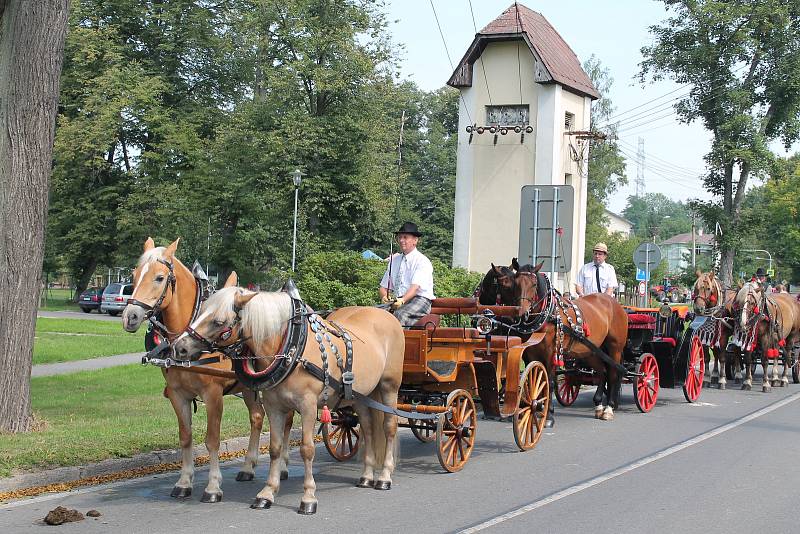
(660, 352)
(446, 369)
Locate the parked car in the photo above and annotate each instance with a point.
(90, 299)
(115, 298)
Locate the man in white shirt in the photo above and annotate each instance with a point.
(409, 276)
(597, 276)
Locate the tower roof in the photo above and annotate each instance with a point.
(560, 63)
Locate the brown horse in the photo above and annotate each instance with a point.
(164, 285)
(371, 338)
(767, 322)
(712, 299)
(603, 322)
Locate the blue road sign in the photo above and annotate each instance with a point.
(641, 274)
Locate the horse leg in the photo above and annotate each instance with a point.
(277, 419)
(716, 371)
(784, 381)
(550, 421)
(256, 411)
(287, 430)
(367, 479)
(600, 393)
(183, 410)
(720, 356)
(213, 400)
(386, 434)
(747, 383)
(710, 371)
(308, 417)
(765, 383)
(737, 365)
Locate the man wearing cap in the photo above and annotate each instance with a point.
(761, 276)
(597, 276)
(409, 276)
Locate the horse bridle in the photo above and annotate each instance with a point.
(710, 299)
(150, 310)
(233, 349)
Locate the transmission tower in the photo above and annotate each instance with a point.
(640, 169)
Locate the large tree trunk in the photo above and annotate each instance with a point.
(32, 36)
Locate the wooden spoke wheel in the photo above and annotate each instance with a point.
(533, 402)
(342, 435)
(455, 431)
(425, 431)
(645, 383)
(695, 371)
(567, 389)
(795, 366)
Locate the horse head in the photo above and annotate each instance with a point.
(748, 300)
(707, 292)
(506, 285)
(154, 284)
(529, 286)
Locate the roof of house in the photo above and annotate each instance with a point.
(681, 239)
(545, 43)
(610, 213)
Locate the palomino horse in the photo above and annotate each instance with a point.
(711, 299)
(268, 325)
(603, 322)
(164, 285)
(767, 322)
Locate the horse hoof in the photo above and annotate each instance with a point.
(722, 386)
(181, 493)
(549, 423)
(211, 497)
(383, 485)
(765, 388)
(244, 476)
(598, 413)
(364, 482)
(261, 504)
(307, 508)
(284, 475)
(746, 387)
(607, 417)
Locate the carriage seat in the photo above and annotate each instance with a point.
(427, 322)
(670, 340)
(641, 321)
(455, 306)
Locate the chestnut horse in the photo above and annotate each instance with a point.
(155, 292)
(768, 322)
(711, 299)
(604, 323)
(266, 324)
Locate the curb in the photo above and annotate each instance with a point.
(64, 475)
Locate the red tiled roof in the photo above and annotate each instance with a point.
(558, 58)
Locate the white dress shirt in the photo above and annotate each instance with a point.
(587, 278)
(407, 270)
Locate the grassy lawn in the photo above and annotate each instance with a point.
(94, 415)
(58, 300)
(61, 340)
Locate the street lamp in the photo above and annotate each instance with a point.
(296, 179)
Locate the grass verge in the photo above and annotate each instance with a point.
(62, 340)
(111, 413)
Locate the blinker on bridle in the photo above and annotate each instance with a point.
(170, 284)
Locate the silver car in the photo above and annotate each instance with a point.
(115, 298)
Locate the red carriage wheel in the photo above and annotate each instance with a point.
(425, 431)
(342, 435)
(695, 371)
(567, 389)
(533, 402)
(455, 431)
(645, 383)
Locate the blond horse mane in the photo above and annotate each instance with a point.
(263, 317)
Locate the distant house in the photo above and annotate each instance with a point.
(678, 250)
(618, 224)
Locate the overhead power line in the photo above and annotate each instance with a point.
(483, 67)
(452, 67)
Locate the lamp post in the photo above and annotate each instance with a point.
(296, 179)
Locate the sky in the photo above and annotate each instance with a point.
(612, 30)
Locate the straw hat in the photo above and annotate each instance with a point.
(601, 247)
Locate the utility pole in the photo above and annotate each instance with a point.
(640, 169)
(694, 242)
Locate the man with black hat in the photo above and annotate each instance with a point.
(597, 276)
(409, 276)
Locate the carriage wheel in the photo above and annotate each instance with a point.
(342, 435)
(796, 369)
(455, 431)
(695, 371)
(645, 384)
(533, 402)
(425, 431)
(567, 389)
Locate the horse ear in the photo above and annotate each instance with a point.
(149, 244)
(241, 299)
(514, 264)
(698, 273)
(496, 270)
(711, 274)
(740, 283)
(170, 252)
(233, 279)
(538, 266)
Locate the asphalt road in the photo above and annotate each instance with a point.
(78, 315)
(725, 464)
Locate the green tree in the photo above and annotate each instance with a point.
(656, 215)
(740, 59)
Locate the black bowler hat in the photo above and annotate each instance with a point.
(409, 228)
(760, 272)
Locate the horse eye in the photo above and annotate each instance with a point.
(218, 323)
(160, 278)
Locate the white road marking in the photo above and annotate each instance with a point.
(628, 468)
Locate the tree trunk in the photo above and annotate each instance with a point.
(85, 276)
(32, 36)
